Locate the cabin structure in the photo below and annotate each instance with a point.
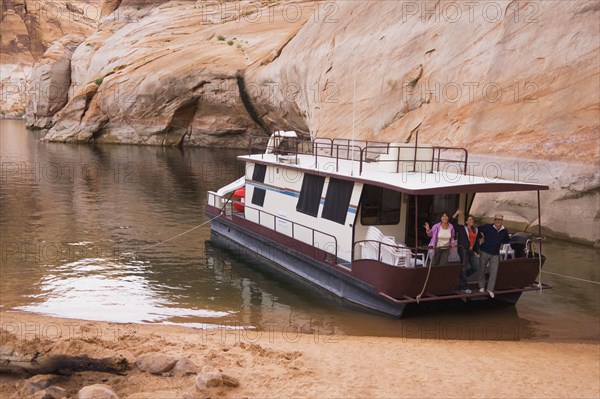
(347, 216)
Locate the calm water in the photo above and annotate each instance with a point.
(79, 232)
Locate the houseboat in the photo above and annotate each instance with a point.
(347, 217)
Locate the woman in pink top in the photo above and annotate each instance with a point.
(442, 238)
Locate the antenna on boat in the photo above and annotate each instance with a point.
(353, 113)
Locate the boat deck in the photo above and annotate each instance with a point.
(459, 294)
(402, 285)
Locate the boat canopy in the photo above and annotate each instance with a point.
(414, 183)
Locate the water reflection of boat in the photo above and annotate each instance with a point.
(344, 216)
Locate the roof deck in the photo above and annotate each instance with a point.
(409, 168)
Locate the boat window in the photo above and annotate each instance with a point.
(258, 196)
(430, 209)
(379, 206)
(310, 194)
(259, 173)
(337, 200)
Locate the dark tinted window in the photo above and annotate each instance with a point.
(258, 196)
(337, 200)
(259, 173)
(379, 206)
(310, 194)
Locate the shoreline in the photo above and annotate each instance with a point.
(276, 365)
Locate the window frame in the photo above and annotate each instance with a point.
(258, 175)
(382, 218)
(337, 200)
(311, 192)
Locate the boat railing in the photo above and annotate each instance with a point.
(388, 252)
(398, 254)
(394, 157)
(401, 158)
(214, 199)
(295, 230)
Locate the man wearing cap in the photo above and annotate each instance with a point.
(493, 236)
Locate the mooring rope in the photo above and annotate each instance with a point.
(187, 231)
(529, 245)
(571, 277)
(178, 235)
(540, 286)
(430, 261)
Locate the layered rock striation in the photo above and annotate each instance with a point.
(28, 28)
(515, 82)
(174, 74)
(50, 81)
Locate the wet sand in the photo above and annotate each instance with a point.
(276, 364)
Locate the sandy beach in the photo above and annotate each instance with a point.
(278, 364)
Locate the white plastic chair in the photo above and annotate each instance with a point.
(386, 250)
(506, 251)
(369, 250)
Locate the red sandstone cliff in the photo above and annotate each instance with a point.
(517, 83)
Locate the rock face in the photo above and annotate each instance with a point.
(174, 76)
(488, 82)
(48, 87)
(517, 80)
(494, 79)
(28, 29)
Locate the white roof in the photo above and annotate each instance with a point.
(408, 182)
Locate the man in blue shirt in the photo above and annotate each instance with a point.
(493, 236)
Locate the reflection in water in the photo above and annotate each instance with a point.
(269, 295)
(100, 289)
(79, 226)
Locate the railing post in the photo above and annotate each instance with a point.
(416, 148)
(360, 165)
(539, 221)
(416, 223)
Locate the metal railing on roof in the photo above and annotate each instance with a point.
(364, 152)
